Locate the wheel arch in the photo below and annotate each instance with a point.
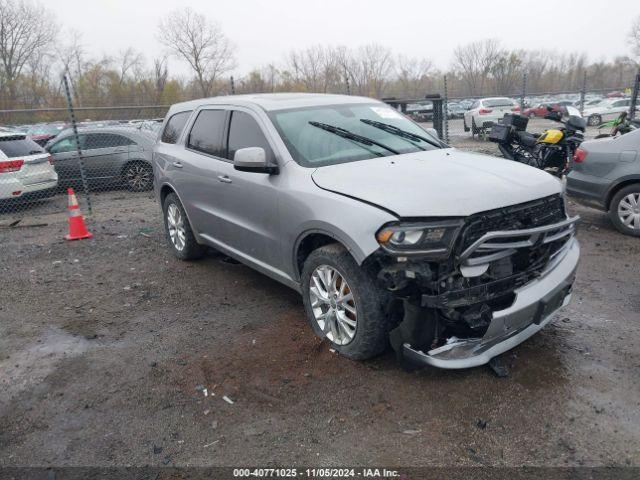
(623, 183)
(314, 238)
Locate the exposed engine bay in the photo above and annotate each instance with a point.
(496, 252)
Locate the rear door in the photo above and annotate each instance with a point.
(105, 154)
(196, 168)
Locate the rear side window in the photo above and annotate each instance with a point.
(106, 140)
(206, 133)
(19, 147)
(245, 132)
(174, 127)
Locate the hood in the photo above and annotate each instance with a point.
(438, 183)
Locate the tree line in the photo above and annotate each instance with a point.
(33, 59)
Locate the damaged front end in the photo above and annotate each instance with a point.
(471, 289)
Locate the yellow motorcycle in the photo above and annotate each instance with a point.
(551, 151)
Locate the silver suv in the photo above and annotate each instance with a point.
(390, 235)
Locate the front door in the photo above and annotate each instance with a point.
(249, 202)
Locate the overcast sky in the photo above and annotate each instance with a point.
(264, 31)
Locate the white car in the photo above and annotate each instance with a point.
(25, 168)
(484, 112)
(606, 110)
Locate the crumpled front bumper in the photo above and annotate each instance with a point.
(531, 310)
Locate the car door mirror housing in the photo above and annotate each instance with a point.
(253, 159)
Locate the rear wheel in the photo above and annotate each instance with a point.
(344, 303)
(624, 210)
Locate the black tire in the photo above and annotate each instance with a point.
(532, 114)
(138, 176)
(594, 120)
(192, 250)
(372, 302)
(613, 210)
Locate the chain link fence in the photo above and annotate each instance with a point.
(100, 152)
(104, 153)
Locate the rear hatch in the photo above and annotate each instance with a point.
(24, 159)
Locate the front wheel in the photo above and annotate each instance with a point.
(594, 120)
(344, 304)
(624, 210)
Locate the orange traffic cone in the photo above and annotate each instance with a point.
(77, 228)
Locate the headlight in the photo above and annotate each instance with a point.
(433, 239)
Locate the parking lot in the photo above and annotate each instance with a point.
(108, 344)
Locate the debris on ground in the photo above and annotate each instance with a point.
(228, 400)
(499, 367)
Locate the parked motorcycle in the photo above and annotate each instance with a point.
(551, 151)
(620, 125)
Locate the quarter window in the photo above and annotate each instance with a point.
(245, 132)
(206, 133)
(174, 127)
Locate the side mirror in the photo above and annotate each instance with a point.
(253, 159)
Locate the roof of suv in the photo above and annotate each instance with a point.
(275, 101)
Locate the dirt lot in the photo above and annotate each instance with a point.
(106, 345)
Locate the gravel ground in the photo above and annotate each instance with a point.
(106, 346)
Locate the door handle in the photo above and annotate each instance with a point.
(224, 179)
(120, 150)
(177, 164)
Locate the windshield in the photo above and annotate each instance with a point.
(311, 146)
(45, 129)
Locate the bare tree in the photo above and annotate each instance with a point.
(634, 37)
(129, 60)
(369, 69)
(507, 72)
(474, 61)
(160, 77)
(413, 76)
(201, 43)
(25, 30)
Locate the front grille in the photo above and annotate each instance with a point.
(537, 213)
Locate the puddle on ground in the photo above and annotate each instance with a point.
(31, 364)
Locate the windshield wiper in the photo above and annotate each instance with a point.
(400, 133)
(341, 132)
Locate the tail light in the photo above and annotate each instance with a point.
(484, 111)
(515, 109)
(580, 155)
(9, 166)
(50, 158)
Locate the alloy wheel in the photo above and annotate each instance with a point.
(138, 177)
(629, 211)
(175, 225)
(333, 304)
